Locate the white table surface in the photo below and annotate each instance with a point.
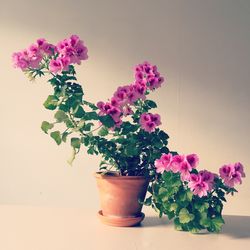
(47, 228)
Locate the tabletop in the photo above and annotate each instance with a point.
(53, 228)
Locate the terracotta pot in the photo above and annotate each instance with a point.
(119, 197)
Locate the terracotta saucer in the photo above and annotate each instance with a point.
(120, 222)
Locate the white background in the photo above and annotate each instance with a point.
(201, 48)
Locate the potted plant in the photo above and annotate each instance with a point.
(194, 199)
(122, 130)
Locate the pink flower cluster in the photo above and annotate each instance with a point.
(202, 183)
(150, 121)
(178, 164)
(70, 51)
(31, 57)
(146, 78)
(232, 174)
(146, 74)
(66, 52)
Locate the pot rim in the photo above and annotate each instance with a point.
(120, 177)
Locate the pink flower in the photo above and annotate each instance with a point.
(234, 180)
(156, 119)
(28, 58)
(207, 177)
(20, 61)
(149, 121)
(59, 64)
(148, 75)
(163, 164)
(115, 113)
(55, 66)
(46, 47)
(226, 171)
(238, 167)
(73, 48)
(193, 160)
(176, 162)
(127, 110)
(197, 185)
(184, 169)
(232, 174)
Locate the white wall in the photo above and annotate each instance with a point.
(201, 47)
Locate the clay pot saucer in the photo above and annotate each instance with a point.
(120, 221)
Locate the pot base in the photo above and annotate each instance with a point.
(119, 221)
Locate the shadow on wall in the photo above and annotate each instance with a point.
(237, 226)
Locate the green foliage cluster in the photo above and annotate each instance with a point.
(127, 149)
(170, 196)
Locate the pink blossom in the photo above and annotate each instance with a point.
(127, 110)
(20, 61)
(156, 119)
(163, 164)
(176, 162)
(115, 113)
(46, 47)
(232, 174)
(55, 66)
(149, 121)
(226, 171)
(238, 167)
(148, 75)
(100, 105)
(184, 169)
(73, 48)
(197, 185)
(193, 160)
(207, 177)
(115, 102)
(234, 180)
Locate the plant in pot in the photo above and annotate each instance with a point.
(193, 199)
(122, 130)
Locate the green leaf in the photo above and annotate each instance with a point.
(177, 225)
(194, 230)
(217, 224)
(185, 216)
(51, 102)
(75, 142)
(60, 116)
(86, 140)
(148, 201)
(103, 131)
(56, 136)
(91, 116)
(189, 195)
(79, 112)
(203, 207)
(131, 150)
(205, 222)
(69, 123)
(91, 151)
(46, 126)
(163, 136)
(91, 105)
(173, 207)
(107, 121)
(87, 126)
(150, 104)
(64, 136)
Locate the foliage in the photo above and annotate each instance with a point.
(172, 197)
